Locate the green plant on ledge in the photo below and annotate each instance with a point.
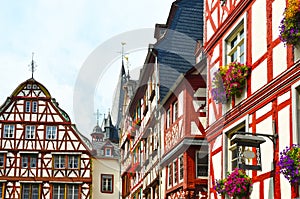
(290, 24)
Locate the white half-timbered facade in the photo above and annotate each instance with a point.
(42, 155)
(246, 31)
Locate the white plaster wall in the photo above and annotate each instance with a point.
(105, 166)
(259, 41)
(255, 191)
(265, 127)
(212, 116)
(263, 110)
(180, 103)
(279, 59)
(285, 187)
(277, 11)
(216, 160)
(259, 76)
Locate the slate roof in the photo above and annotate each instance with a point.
(175, 51)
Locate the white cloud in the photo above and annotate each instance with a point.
(62, 34)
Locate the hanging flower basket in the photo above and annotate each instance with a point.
(237, 185)
(290, 24)
(229, 80)
(289, 163)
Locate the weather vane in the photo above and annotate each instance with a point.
(98, 114)
(32, 66)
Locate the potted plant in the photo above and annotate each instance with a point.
(237, 185)
(289, 27)
(289, 163)
(229, 80)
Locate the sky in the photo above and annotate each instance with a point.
(69, 39)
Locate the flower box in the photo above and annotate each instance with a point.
(236, 185)
(289, 163)
(229, 81)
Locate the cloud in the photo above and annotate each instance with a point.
(63, 34)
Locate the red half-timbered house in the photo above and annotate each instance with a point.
(185, 158)
(42, 154)
(246, 31)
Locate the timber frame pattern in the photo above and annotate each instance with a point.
(62, 156)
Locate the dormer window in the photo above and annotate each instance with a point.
(108, 152)
(31, 106)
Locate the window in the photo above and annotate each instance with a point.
(232, 148)
(168, 118)
(34, 106)
(2, 160)
(51, 132)
(9, 131)
(201, 164)
(180, 162)
(235, 45)
(170, 172)
(106, 183)
(73, 162)
(30, 191)
(175, 172)
(2, 188)
(65, 191)
(30, 132)
(72, 192)
(27, 106)
(175, 111)
(31, 105)
(108, 152)
(59, 161)
(29, 160)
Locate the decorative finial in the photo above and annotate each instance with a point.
(32, 66)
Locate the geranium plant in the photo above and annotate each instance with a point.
(229, 80)
(289, 163)
(290, 24)
(237, 184)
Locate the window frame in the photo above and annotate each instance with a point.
(168, 118)
(201, 152)
(175, 172)
(175, 111)
(10, 132)
(180, 168)
(51, 132)
(31, 106)
(30, 158)
(170, 175)
(241, 41)
(107, 177)
(30, 132)
(30, 190)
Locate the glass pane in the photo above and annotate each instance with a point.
(233, 42)
(35, 192)
(242, 34)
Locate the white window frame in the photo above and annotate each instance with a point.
(170, 175)
(175, 172)
(34, 106)
(8, 131)
(175, 111)
(168, 118)
(59, 191)
(72, 191)
(227, 160)
(241, 41)
(73, 161)
(30, 132)
(29, 160)
(108, 152)
(107, 183)
(59, 161)
(180, 169)
(51, 132)
(27, 106)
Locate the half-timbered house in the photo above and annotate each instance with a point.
(42, 154)
(246, 31)
(146, 140)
